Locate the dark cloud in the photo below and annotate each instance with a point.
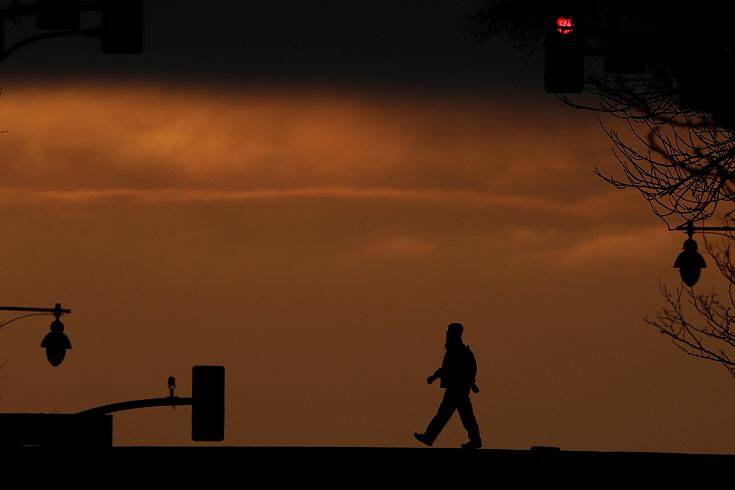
(409, 43)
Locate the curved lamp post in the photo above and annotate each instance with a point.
(55, 342)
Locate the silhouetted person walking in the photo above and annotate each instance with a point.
(457, 375)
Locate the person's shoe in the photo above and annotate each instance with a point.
(423, 439)
(477, 444)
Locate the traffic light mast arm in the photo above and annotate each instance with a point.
(168, 401)
(121, 30)
(18, 11)
(94, 32)
(207, 403)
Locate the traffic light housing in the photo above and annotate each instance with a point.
(624, 51)
(708, 91)
(564, 60)
(61, 15)
(208, 403)
(122, 26)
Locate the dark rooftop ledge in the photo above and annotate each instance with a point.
(377, 451)
(402, 455)
(346, 467)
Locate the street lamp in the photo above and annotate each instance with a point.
(690, 262)
(55, 342)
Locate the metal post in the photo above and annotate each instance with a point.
(55, 310)
(689, 228)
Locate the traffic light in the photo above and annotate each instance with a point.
(62, 15)
(122, 26)
(564, 62)
(208, 403)
(708, 91)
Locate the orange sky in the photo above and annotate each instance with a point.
(317, 243)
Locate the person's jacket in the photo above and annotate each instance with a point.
(459, 368)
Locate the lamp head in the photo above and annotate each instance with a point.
(690, 263)
(56, 343)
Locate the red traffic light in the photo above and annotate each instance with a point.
(565, 25)
(564, 53)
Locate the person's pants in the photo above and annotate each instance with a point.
(458, 400)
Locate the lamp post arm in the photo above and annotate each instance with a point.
(34, 310)
(689, 228)
(3, 324)
(169, 401)
(57, 311)
(705, 228)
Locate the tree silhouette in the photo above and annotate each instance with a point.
(677, 113)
